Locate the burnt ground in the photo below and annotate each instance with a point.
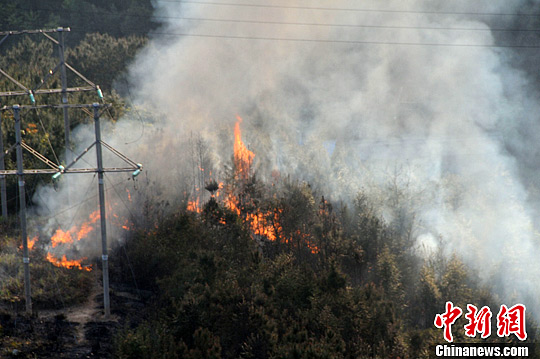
(76, 332)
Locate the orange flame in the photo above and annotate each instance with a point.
(261, 223)
(242, 156)
(65, 263)
(63, 237)
(86, 228)
(30, 243)
(193, 206)
(260, 226)
(32, 128)
(220, 185)
(67, 238)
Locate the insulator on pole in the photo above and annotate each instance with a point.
(137, 171)
(59, 173)
(99, 93)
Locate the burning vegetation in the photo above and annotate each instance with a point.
(64, 262)
(264, 272)
(265, 224)
(62, 250)
(64, 241)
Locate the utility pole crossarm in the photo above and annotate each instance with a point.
(15, 81)
(80, 75)
(26, 107)
(59, 29)
(39, 156)
(46, 91)
(120, 155)
(39, 171)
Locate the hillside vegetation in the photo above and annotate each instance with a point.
(336, 283)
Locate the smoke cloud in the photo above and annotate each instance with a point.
(419, 118)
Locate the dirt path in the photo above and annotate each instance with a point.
(85, 331)
(82, 314)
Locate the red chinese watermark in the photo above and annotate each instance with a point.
(512, 321)
(479, 321)
(447, 319)
(509, 321)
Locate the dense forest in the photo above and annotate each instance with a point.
(319, 280)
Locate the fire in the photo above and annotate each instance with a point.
(243, 157)
(86, 228)
(193, 206)
(126, 226)
(63, 237)
(64, 262)
(78, 233)
(215, 193)
(267, 224)
(30, 242)
(262, 223)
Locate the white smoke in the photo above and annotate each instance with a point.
(345, 107)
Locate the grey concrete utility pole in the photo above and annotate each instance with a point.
(63, 78)
(3, 191)
(22, 201)
(103, 216)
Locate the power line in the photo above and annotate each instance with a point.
(81, 201)
(351, 42)
(346, 9)
(339, 41)
(138, 115)
(396, 27)
(85, 196)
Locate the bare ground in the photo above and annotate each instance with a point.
(79, 331)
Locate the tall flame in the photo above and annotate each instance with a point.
(242, 156)
(262, 223)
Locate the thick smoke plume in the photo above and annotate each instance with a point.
(435, 131)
